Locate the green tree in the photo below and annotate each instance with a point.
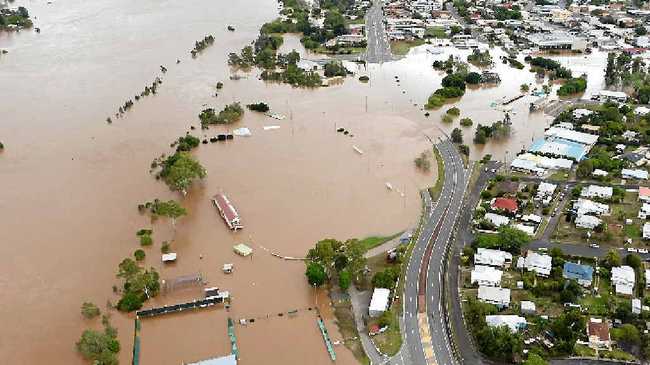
(139, 255)
(344, 280)
(457, 135)
(633, 260)
(511, 239)
(612, 259)
(325, 252)
(354, 252)
(386, 278)
(585, 168)
(99, 347)
(473, 78)
(627, 334)
(89, 310)
(180, 170)
(315, 273)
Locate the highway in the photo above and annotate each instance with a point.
(378, 49)
(434, 236)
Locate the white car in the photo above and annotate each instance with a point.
(632, 249)
(594, 245)
(643, 250)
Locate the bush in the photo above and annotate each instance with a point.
(344, 280)
(386, 278)
(165, 248)
(231, 113)
(146, 240)
(100, 348)
(315, 273)
(187, 143)
(435, 101)
(422, 162)
(573, 86)
(457, 135)
(334, 68)
(466, 122)
(473, 78)
(453, 111)
(259, 107)
(89, 310)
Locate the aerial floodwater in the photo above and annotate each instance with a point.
(71, 182)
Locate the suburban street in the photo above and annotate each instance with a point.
(378, 49)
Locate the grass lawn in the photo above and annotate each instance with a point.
(617, 354)
(390, 341)
(435, 32)
(401, 48)
(374, 241)
(584, 351)
(560, 176)
(437, 188)
(347, 327)
(342, 50)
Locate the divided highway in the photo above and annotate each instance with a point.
(425, 321)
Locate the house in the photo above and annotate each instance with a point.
(530, 230)
(598, 334)
(581, 113)
(636, 306)
(636, 158)
(583, 274)
(634, 174)
(486, 276)
(493, 295)
(505, 204)
(641, 110)
(545, 192)
(595, 191)
(586, 206)
(527, 307)
(587, 221)
(606, 95)
(513, 322)
(623, 279)
(644, 194)
(599, 173)
(378, 302)
(540, 264)
(646, 231)
(487, 256)
(644, 211)
(496, 219)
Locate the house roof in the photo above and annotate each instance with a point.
(643, 191)
(576, 271)
(598, 328)
(505, 204)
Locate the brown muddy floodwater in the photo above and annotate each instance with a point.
(71, 183)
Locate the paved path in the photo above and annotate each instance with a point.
(384, 247)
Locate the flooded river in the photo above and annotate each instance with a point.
(71, 182)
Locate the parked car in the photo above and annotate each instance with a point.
(643, 250)
(632, 249)
(594, 245)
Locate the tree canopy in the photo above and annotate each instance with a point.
(180, 170)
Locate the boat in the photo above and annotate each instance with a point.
(359, 151)
(227, 211)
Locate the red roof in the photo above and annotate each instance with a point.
(598, 329)
(643, 191)
(505, 204)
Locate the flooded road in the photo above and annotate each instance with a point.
(71, 182)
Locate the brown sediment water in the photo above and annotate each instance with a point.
(71, 183)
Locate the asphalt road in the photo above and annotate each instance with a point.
(437, 266)
(378, 49)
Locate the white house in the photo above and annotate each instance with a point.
(486, 276)
(530, 230)
(623, 279)
(586, 206)
(595, 191)
(496, 219)
(634, 174)
(587, 221)
(487, 256)
(493, 295)
(646, 231)
(378, 302)
(545, 192)
(540, 264)
(513, 322)
(599, 173)
(636, 306)
(644, 211)
(527, 307)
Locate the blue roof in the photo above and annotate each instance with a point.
(569, 148)
(578, 272)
